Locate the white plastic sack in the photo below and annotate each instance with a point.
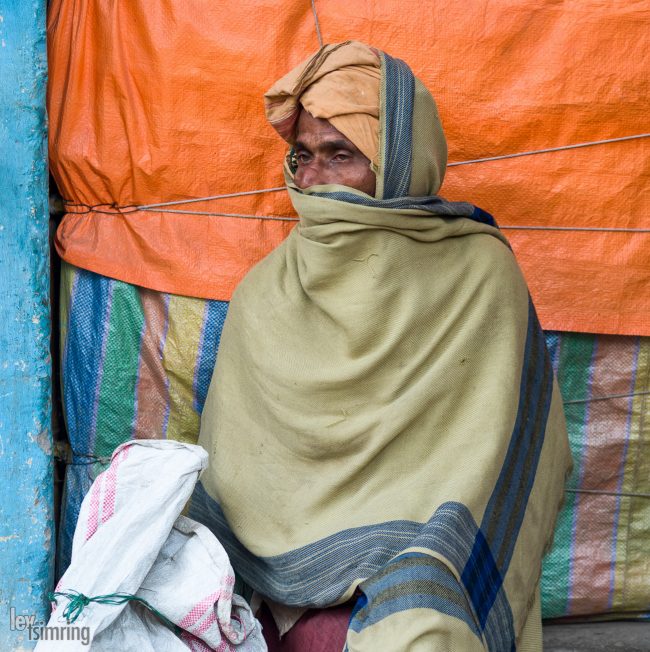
(130, 539)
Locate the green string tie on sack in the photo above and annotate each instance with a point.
(78, 602)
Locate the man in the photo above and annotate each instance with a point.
(383, 425)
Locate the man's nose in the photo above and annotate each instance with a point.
(309, 174)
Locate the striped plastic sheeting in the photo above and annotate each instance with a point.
(136, 363)
(599, 561)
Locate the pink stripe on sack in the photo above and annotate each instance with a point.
(227, 628)
(108, 508)
(230, 632)
(198, 611)
(93, 516)
(195, 644)
(208, 621)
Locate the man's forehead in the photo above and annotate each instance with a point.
(311, 131)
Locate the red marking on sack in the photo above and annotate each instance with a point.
(195, 644)
(229, 631)
(199, 610)
(207, 622)
(111, 485)
(93, 516)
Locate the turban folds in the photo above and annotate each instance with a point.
(340, 84)
(344, 84)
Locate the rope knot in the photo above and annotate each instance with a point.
(77, 602)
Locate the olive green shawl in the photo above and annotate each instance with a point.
(383, 415)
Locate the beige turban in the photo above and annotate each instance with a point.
(340, 84)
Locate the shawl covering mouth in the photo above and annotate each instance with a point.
(383, 413)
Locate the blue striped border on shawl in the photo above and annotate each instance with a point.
(319, 574)
(434, 205)
(493, 547)
(399, 93)
(412, 580)
(479, 215)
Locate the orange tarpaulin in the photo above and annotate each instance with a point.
(158, 102)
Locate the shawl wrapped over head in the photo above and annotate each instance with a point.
(383, 415)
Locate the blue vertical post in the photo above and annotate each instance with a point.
(26, 495)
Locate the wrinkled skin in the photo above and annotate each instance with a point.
(325, 156)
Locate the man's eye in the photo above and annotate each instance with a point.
(341, 156)
(302, 158)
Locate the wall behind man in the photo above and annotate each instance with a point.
(26, 521)
(152, 106)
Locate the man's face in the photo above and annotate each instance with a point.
(325, 156)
